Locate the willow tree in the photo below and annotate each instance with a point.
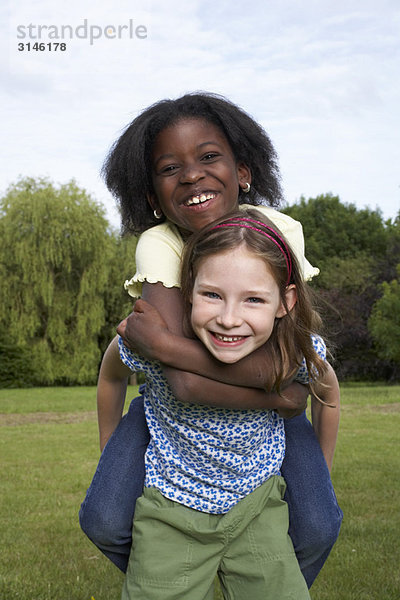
(54, 266)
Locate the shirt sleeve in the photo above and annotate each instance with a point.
(158, 259)
(303, 375)
(126, 355)
(133, 361)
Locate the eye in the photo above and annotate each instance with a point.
(210, 156)
(211, 295)
(168, 169)
(255, 300)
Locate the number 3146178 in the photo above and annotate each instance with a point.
(42, 47)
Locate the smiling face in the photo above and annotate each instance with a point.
(235, 302)
(195, 175)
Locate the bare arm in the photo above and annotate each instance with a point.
(193, 374)
(325, 419)
(188, 387)
(150, 336)
(111, 390)
(158, 335)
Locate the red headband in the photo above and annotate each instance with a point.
(281, 244)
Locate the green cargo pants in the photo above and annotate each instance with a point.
(178, 551)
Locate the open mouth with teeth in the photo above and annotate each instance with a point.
(200, 199)
(228, 339)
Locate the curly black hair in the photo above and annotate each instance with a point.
(127, 169)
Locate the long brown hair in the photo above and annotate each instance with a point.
(290, 341)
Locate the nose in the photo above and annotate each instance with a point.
(229, 316)
(191, 173)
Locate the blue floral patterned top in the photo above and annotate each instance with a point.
(204, 457)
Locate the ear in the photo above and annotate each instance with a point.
(291, 299)
(244, 174)
(152, 200)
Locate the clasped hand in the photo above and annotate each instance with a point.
(142, 330)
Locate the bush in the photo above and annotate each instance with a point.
(14, 366)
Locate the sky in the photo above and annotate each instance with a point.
(322, 77)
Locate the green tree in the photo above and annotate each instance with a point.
(384, 322)
(118, 304)
(54, 270)
(356, 251)
(336, 230)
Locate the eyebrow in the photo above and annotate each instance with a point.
(213, 287)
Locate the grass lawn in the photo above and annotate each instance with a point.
(49, 452)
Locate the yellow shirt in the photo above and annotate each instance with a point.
(159, 251)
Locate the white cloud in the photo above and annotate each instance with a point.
(322, 77)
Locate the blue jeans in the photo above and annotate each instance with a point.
(314, 514)
(106, 514)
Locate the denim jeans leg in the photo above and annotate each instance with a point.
(106, 514)
(314, 514)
